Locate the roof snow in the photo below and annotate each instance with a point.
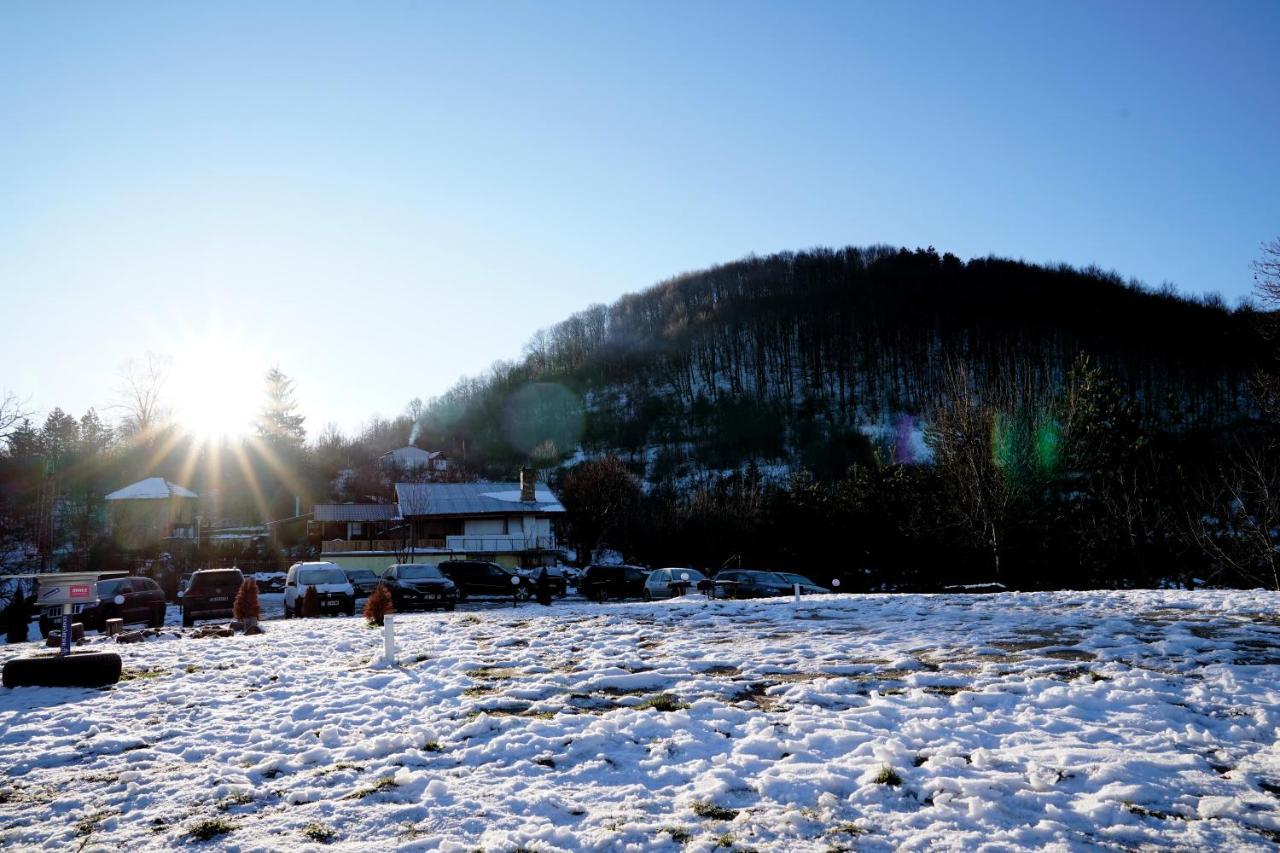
(471, 499)
(151, 489)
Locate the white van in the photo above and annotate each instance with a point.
(333, 588)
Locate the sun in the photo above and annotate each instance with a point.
(216, 383)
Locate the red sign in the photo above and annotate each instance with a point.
(79, 590)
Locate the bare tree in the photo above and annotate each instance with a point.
(12, 413)
(140, 393)
(1236, 516)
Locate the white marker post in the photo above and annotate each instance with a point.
(389, 639)
(684, 576)
(515, 593)
(835, 583)
(797, 589)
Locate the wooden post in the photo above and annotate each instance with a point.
(114, 626)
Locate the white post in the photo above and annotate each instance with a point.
(389, 639)
(797, 589)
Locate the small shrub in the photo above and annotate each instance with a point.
(318, 832)
(661, 702)
(887, 776)
(311, 603)
(378, 605)
(678, 834)
(246, 605)
(206, 829)
(713, 812)
(432, 746)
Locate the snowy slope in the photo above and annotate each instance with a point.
(1064, 720)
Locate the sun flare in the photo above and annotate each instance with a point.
(216, 384)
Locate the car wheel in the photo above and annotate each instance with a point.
(648, 596)
(602, 596)
(157, 617)
(450, 607)
(351, 608)
(188, 618)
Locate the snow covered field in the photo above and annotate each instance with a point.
(1064, 720)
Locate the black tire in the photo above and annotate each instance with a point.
(188, 618)
(462, 595)
(602, 595)
(96, 669)
(351, 608)
(157, 617)
(451, 606)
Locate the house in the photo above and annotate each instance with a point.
(150, 511)
(508, 523)
(352, 522)
(410, 458)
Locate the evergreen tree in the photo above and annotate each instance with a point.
(279, 423)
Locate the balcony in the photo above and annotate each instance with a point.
(498, 544)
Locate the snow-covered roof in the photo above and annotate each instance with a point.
(471, 499)
(411, 455)
(151, 489)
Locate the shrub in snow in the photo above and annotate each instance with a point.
(311, 602)
(887, 776)
(246, 609)
(378, 605)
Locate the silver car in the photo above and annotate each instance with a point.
(667, 583)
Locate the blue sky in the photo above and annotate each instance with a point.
(382, 197)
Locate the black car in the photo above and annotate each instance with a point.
(364, 580)
(752, 583)
(142, 601)
(209, 595)
(601, 583)
(419, 586)
(477, 577)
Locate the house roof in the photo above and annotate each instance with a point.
(151, 489)
(418, 499)
(409, 455)
(355, 512)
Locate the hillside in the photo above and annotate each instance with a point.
(796, 358)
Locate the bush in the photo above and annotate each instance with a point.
(246, 606)
(311, 602)
(378, 605)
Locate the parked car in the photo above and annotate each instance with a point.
(269, 581)
(556, 577)
(413, 585)
(334, 591)
(807, 586)
(666, 583)
(754, 583)
(477, 577)
(209, 595)
(365, 581)
(141, 600)
(601, 583)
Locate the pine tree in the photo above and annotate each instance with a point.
(279, 423)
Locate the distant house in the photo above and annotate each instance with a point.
(415, 459)
(150, 511)
(509, 523)
(352, 522)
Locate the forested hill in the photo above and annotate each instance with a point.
(792, 357)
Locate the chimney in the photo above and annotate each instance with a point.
(528, 477)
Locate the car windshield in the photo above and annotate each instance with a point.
(361, 574)
(790, 577)
(420, 573)
(107, 589)
(309, 577)
(694, 575)
(766, 577)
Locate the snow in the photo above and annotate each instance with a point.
(542, 496)
(1065, 720)
(152, 488)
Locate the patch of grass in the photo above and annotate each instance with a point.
(711, 811)
(432, 746)
(240, 799)
(316, 831)
(419, 658)
(678, 834)
(88, 824)
(192, 669)
(725, 840)
(661, 702)
(544, 761)
(386, 783)
(203, 830)
(887, 776)
(482, 690)
(846, 828)
(494, 673)
(140, 674)
(469, 620)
